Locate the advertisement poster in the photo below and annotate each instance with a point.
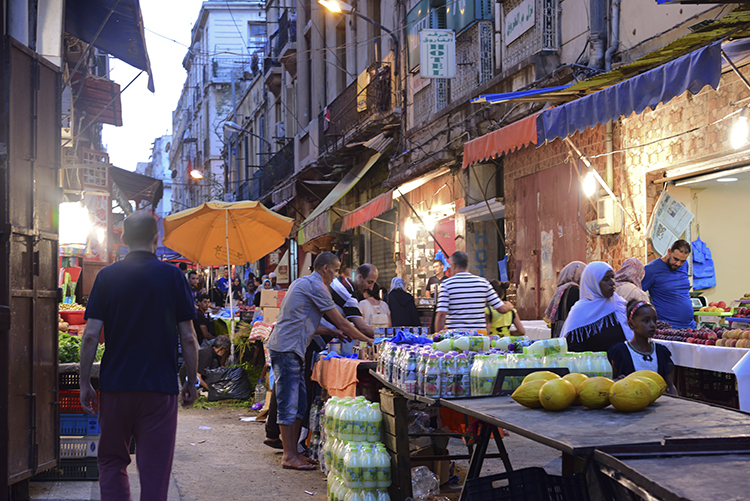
(668, 222)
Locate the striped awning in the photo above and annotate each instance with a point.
(370, 210)
(496, 143)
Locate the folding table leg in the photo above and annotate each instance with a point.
(477, 459)
(501, 448)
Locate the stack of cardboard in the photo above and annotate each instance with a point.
(270, 302)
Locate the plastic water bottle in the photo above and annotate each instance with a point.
(462, 344)
(346, 419)
(432, 377)
(486, 376)
(451, 380)
(588, 364)
(359, 422)
(369, 467)
(374, 423)
(410, 377)
(443, 373)
(369, 495)
(383, 465)
(383, 495)
(353, 468)
(260, 392)
(421, 363)
(463, 377)
(445, 345)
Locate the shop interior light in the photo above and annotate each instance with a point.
(100, 235)
(589, 184)
(74, 223)
(429, 221)
(727, 179)
(196, 174)
(739, 134)
(410, 229)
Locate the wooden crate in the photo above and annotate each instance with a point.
(396, 440)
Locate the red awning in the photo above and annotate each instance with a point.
(509, 138)
(99, 98)
(370, 210)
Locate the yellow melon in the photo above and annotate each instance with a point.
(629, 395)
(543, 375)
(594, 392)
(576, 378)
(528, 393)
(557, 394)
(655, 377)
(652, 386)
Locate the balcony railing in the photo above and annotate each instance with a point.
(344, 115)
(279, 168)
(287, 32)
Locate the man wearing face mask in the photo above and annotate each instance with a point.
(667, 282)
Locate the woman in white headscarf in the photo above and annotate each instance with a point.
(403, 309)
(598, 320)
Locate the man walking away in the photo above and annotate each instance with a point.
(303, 307)
(667, 281)
(463, 297)
(143, 305)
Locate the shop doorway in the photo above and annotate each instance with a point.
(549, 235)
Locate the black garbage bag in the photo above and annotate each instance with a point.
(227, 383)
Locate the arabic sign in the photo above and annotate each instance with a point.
(519, 20)
(437, 52)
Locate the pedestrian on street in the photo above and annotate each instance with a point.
(567, 294)
(463, 297)
(668, 283)
(142, 304)
(303, 306)
(628, 280)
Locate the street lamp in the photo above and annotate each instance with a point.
(343, 8)
(238, 128)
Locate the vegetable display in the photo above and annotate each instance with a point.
(70, 349)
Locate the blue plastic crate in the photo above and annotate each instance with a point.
(79, 424)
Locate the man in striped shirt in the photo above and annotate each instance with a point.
(463, 297)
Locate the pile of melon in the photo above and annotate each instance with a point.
(632, 393)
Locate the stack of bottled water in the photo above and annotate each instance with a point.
(357, 464)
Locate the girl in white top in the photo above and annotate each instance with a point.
(375, 312)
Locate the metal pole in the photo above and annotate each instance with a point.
(229, 269)
(236, 138)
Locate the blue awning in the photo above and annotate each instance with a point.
(123, 36)
(659, 85)
(518, 96)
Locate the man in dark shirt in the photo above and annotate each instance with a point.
(436, 279)
(210, 357)
(203, 323)
(193, 281)
(143, 305)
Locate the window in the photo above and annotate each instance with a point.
(256, 36)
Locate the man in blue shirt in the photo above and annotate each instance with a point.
(143, 305)
(668, 284)
(223, 282)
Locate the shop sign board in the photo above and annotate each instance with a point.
(519, 20)
(417, 19)
(437, 50)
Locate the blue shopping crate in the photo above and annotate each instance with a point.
(79, 424)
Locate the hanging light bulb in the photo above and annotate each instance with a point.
(589, 184)
(196, 174)
(410, 229)
(738, 136)
(429, 221)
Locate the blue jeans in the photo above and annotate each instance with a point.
(291, 392)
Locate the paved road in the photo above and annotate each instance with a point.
(230, 462)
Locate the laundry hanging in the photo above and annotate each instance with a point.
(704, 273)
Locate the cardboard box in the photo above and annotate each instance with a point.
(270, 315)
(271, 298)
(440, 468)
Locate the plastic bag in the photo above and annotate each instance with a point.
(227, 383)
(424, 483)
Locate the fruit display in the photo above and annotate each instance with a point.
(735, 338)
(704, 335)
(631, 394)
(71, 307)
(741, 313)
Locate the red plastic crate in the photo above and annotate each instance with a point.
(70, 401)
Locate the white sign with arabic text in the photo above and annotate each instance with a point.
(437, 53)
(519, 20)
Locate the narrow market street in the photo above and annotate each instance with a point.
(230, 462)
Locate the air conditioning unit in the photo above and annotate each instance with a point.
(609, 217)
(280, 130)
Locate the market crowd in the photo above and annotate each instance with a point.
(594, 308)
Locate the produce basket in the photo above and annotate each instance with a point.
(70, 401)
(79, 424)
(72, 381)
(71, 469)
(73, 317)
(528, 484)
(79, 447)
